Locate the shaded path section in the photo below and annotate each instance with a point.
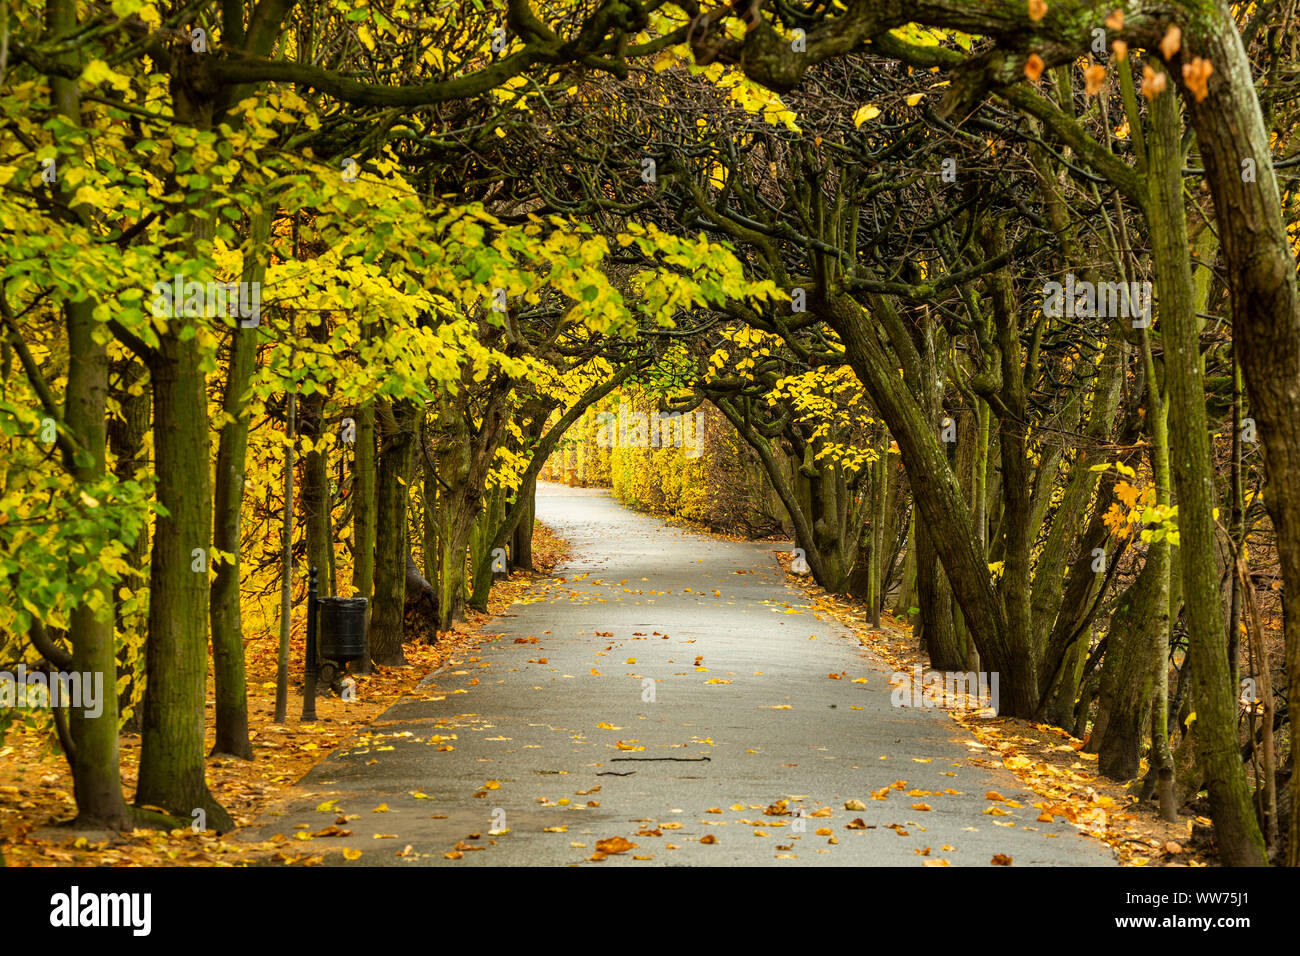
(673, 674)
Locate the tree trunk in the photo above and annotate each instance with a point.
(232, 450)
(96, 778)
(521, 548)
(1138, 645)
(934, 599)
(171, 753)
(1237, 831)
(315, 497)
(396, 427)
(939, 500)
(1260, 266)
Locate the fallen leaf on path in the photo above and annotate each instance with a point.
(615, 844)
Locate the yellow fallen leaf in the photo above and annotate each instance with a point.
(865, 113)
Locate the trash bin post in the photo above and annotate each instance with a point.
(309, 684)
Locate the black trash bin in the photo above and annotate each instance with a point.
(342, 628)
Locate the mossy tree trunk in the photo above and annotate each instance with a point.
(228, 498)
(397, 434)
(1237, 831)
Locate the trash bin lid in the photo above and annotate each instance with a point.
(344, 604)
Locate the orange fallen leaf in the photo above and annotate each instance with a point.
(614, 845)
(1172, 42)
(1197, 76)
(1093, 78)
(1153, 82)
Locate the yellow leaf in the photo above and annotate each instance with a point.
(868, 112)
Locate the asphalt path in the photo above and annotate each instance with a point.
(668, 689)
